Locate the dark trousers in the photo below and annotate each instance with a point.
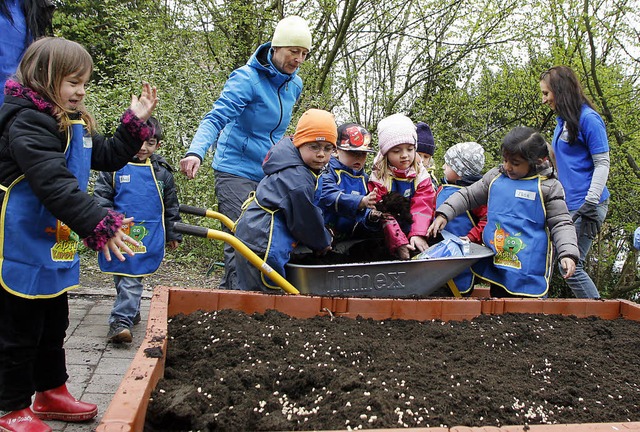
(32, 358)
(231, 192)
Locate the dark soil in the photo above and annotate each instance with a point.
(397, 206)
(231, 371)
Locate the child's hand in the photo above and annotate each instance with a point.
(173, 244)
(404, 252)
(119, 241)
(144, 105)
(323, 251)
(419, 243)
(436, 226)
(368, 201)
(374, 216)
(569, 267)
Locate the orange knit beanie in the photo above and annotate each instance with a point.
(316, 125)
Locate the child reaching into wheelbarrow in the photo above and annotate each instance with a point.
(397, 168)
(283, 210)
(527, 217)
(463, 164)
(347, 205)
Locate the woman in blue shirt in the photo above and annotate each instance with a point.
(21, 22)
(581, 148)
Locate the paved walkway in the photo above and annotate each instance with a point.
(96, 367)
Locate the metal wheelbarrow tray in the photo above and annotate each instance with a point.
(400, 279)
(388, 279)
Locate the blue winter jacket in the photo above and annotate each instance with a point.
(284, 210)
(342, 190)
(250, 116)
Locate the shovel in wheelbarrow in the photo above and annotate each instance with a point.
(240, 247)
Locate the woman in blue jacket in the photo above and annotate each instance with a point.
(250, 116)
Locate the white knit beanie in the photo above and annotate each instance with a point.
(465, 159)
(292, 31)
(395, 130)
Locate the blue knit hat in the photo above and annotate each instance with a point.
(426, 144)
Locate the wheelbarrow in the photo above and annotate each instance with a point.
(394, 278)
(254, 259)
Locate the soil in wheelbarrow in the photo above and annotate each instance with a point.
(231, 371)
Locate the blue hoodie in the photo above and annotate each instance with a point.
(284, 211)
(250, 116)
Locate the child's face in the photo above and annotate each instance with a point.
(401, 156)
(449, 174)
(72, 90)
(425, 158)
(148, 148)
(316, 154)
(515, 166)
(353, 159)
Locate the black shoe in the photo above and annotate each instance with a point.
(119, 332)
(137, 319)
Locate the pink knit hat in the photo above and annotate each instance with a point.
(395, 130)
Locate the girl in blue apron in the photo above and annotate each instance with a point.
(48, 145)
(527, 220)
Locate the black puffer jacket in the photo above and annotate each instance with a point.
(104, 193)
(32, 144)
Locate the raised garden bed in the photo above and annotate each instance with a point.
(567, 378)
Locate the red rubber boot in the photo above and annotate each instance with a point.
(58, 404)
(23, 420)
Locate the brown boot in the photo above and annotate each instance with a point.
(58, 404)
(23, 420)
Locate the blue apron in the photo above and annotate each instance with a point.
(407, 188)
(460, 226)
(38, 252)
(517, 232)
(138, 195)
(281, 242)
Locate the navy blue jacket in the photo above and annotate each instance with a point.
(342, 191)
(284, 211)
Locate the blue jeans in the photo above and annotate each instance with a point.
(127, 304)
(580, 283)
(231, 192)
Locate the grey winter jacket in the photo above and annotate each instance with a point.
(559, 222)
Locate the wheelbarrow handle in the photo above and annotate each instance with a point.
(193, 230)
(198, 211)
(240, 247)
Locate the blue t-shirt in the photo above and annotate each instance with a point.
(14, 42)
(574, 161)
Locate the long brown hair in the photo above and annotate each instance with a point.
(569, 96)
(44, 66)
